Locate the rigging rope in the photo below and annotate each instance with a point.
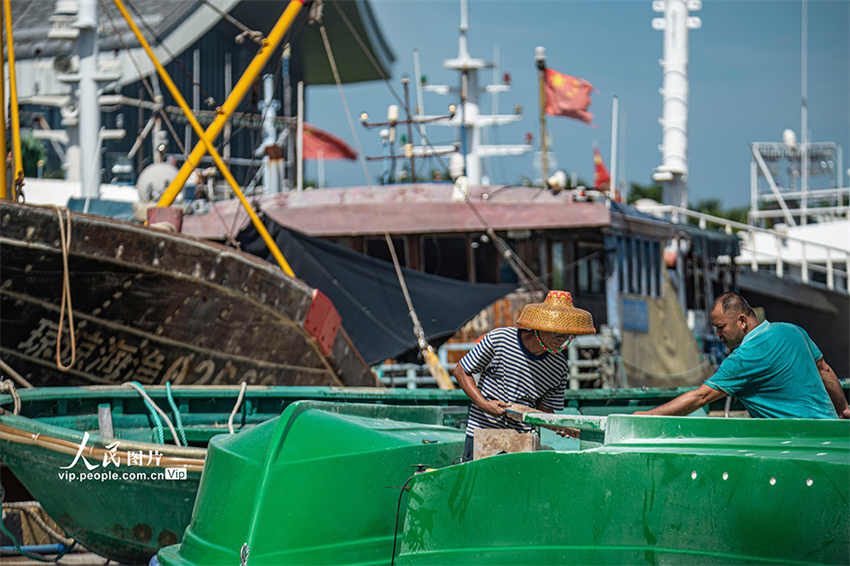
(176, 411)
(15, 375)
(526, 275)
(428, 354)
(65, 243)
(144, 81)
(7, 385)
(209, 99)
(154, 407)
(335, 71)
(253, 35)
(386, 80)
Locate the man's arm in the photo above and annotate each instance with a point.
(687, 402)
(833, 388)
(467, 383)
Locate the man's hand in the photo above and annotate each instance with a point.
(845, 414)
(496, 408)
(568, 432)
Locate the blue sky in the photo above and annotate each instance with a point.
(744, 75)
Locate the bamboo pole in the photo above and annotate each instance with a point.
(18, 168)
(236, 95)
(175, 93)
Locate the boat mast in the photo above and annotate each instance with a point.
(673, 172)
(468, 117)
(88, 122)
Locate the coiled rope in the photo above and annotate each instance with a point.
(65, 244)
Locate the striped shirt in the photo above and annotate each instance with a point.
(509, 372)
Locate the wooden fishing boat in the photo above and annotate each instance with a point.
(153, 306)
(131, 491)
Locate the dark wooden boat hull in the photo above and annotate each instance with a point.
(154, 306)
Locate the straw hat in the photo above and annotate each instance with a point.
(556, 314)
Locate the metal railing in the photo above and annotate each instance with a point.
(591, 357)
(805, 256)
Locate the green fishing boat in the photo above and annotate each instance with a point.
(130, 519)
(132, 489)
(659, 490)
(637, 490)
(319, 485)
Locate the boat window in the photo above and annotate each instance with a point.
(639, 265)
(558, 278)
(590, 267)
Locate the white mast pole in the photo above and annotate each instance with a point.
(89, 117)
(420, 104)
(299, 138)
(804, 111)
(673, 171)
(612, 184)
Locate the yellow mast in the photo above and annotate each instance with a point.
(3, 192)
(18, 167)
(239, 91)
(175, 93)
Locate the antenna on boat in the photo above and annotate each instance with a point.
(388, 137)
(468, 119)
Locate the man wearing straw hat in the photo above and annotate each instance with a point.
(524, 365)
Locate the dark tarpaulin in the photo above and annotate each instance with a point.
(367, 294)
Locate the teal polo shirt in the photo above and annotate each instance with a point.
(774, 374)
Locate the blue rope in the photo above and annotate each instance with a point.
(177, 418)
(160, 435)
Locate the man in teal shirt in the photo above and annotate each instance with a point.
(774, 369)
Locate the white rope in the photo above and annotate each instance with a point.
(7, 385)
(236, 406)
(15, 375)
(157, 409)
(427, 351)
(65, 242)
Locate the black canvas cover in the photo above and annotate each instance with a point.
(367, 294)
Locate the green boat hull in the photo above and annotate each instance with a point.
(659, 491)
(319, 485)
(128, 518)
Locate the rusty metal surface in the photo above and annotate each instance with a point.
(407, 209)
(154, 306)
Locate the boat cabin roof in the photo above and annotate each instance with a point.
(424, 209)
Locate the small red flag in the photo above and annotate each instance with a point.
(319, 144)
(568, 96)
(602, 180)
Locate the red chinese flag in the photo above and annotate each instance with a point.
(568, 96)
(319, 144)
(602, 180)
